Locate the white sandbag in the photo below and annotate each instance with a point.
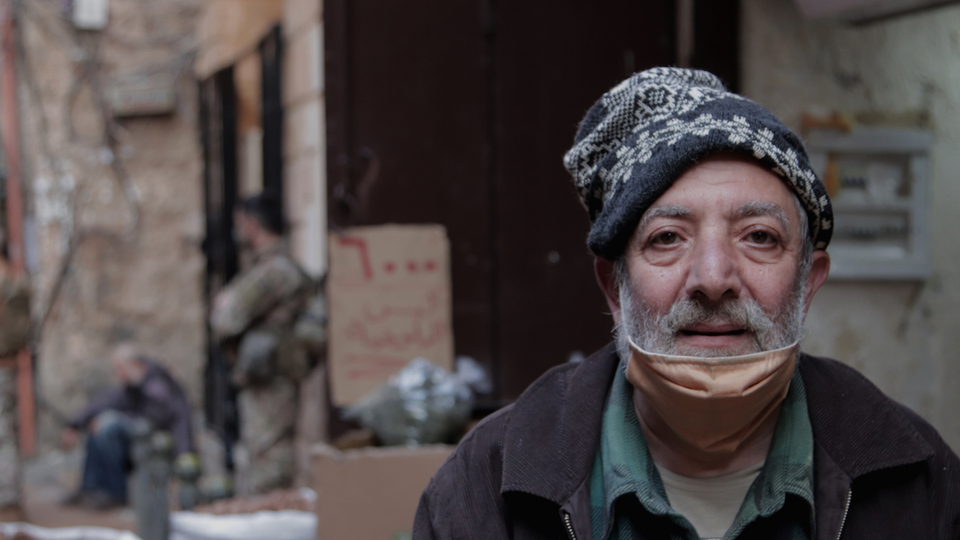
(66, 533)
(266, 525)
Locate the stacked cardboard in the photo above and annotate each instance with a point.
(371, 493)
(389, 302)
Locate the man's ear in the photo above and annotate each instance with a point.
(819, 271)
(607, 278)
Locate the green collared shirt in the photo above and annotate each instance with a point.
(623, 468)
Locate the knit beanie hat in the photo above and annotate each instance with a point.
(648, 130)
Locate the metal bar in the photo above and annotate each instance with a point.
(685, 32)
(11, 141)
(271, 114)
(26, 407)
(26, 404)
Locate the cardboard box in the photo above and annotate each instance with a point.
(371, 493)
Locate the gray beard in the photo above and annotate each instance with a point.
(657, 333)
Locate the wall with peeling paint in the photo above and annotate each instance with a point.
(115, 206)
(904, 336)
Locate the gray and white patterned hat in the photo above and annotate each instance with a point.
(645, 132)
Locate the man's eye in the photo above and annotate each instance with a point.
(666, 238)
(761, 237)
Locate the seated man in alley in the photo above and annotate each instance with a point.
(147, 392)
(703, 419)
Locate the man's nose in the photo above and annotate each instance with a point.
(714, 274)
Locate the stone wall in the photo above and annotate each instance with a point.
(904, 336)
(115, 204)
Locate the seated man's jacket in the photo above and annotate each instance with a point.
(159, 398)
(523, 473)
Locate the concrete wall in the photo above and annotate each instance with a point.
(119, 281)
(905, 337)
(304, 133)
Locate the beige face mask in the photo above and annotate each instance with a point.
(714, 404)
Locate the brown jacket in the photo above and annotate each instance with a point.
(881, 471)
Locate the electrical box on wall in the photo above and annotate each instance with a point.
(859, 11)
(91, 14)
(877, 180)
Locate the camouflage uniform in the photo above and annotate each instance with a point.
(254, 317)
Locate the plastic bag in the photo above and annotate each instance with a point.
(473, 375)
(421, 404)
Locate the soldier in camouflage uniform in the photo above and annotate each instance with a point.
(254, 317)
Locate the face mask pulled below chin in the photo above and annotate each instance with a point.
(714, 404)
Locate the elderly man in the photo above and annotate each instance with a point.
(147, 392)
(703, 419)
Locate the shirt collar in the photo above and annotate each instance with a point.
(623, 464)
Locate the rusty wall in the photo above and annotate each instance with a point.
(115, 203)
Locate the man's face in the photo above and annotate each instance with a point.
(128, 372)
(713, 268)
(243, 229)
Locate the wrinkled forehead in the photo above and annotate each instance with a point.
(732, 183)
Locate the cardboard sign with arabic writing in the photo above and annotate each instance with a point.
(388, 291)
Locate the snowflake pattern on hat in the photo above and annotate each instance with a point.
(664, 119)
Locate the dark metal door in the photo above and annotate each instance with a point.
(408, 135)
(459, 113)
(554, 59)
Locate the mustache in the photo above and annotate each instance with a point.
(657, 332)
(742, 313)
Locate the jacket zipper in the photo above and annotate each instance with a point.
(569, 525)
(846, 509)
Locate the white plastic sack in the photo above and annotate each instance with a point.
(266, 525)
(420, 404)
(66, 533)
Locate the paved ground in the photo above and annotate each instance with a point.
(41, 507)
(49, 479)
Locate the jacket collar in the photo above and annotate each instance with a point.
(554, 428)
(551, 438)
(860, 428)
